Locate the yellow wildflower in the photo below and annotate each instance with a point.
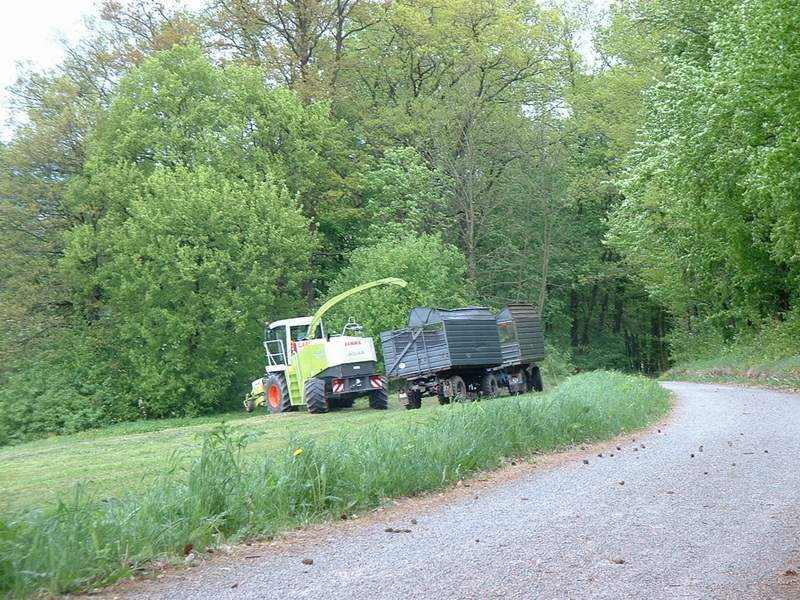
(297, 452)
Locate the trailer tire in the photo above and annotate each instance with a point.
(458, 389)
(536, 379)
(489, 387)
(414, 400)
(379, 399)
(315, 396)
(276, 394)
(522, 375)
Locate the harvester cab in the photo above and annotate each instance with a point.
(305, 366)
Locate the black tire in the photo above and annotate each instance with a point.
(414, 400)
(276, 394)
(379, 399)
(458, 389)
(489, 387)
(522, 375)
(536, 379)
(315, 396)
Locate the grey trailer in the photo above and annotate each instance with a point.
(522, 346)
(438, 340)
(457, 354)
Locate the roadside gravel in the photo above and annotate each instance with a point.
(709, 507)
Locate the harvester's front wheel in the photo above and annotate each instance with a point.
(379, 399)
(277, 394)
(315, 396)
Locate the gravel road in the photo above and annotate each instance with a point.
(709, 508)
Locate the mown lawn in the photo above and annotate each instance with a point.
(131, 455)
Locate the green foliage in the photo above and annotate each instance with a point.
(56, 392)
(769, 356)
(190, 236)
(556, 366)
(401, 196)
(710, 219)
(157, 201)
(187, 275)
(88, 541)
(433, 269)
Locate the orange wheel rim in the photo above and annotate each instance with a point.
(274, 397)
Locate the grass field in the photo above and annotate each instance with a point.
(266, 474)
(132, 455)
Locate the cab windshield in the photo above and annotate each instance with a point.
(298, 332)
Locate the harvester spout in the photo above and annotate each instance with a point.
(315, 320)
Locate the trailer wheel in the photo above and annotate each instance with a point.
(536, 379)
(276, 394)
(379, 399)
(489, 387)
(522, 376)
(414, 400)
(316, 398)
(458, 389)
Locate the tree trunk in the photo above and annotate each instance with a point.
(573, 309)
(589, 312)
(619, 308)
(603, 310)
(545, 261)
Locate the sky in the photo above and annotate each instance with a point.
(30, 31)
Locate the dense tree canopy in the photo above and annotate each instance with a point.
(710, 221)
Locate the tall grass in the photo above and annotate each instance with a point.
(225, 494)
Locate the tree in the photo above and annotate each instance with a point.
(59, 109)
(453, 80)
(710, 218)
(199, 263)
(401, 196)
(300, 42)
(433, 269)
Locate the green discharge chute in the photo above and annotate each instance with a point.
(312, 328)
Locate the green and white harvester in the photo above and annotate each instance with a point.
(307, 366)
